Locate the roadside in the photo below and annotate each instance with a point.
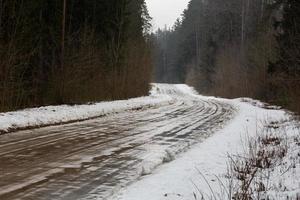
(270, 166)
(213, 168)
(57, 115)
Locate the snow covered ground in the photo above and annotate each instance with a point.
(150, 147)
(52, 115)
(203, 171)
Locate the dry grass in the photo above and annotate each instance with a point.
(251, 174)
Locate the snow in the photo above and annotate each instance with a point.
(201, 171)
(52, 115)
(283, 177)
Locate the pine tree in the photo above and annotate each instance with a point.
(289, 39)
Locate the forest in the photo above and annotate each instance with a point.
(234, 48)
(72, 51)
(79, 51)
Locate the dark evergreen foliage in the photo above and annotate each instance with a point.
(235, 48)
(93, 59)
(289, 39)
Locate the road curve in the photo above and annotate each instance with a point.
(95, 158)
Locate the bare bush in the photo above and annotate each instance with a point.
(263, 171)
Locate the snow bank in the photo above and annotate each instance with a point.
(52, 115)
(160, 94)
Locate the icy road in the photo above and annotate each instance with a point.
(95, 158)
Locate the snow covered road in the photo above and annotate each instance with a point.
(94, 159)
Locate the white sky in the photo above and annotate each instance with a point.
(165, 12)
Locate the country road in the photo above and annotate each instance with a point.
(94, 158)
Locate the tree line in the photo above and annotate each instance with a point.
(234, 48)
(72, 51)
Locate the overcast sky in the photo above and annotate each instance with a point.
(165, 12)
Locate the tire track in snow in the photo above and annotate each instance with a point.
(116, 148)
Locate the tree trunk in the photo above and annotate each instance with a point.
(63, 34)
(62, 60)
(243, 25)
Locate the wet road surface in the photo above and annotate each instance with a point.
(95, 158)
